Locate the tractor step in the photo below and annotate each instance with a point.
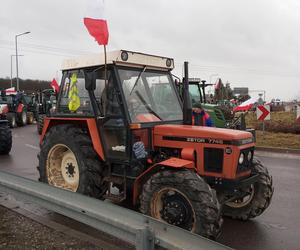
(117, 198)
(114, 179)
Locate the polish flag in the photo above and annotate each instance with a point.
(55, 85)
(245, 106)
(10, 91)
(95, 21)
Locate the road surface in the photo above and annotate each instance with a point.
(277, 228)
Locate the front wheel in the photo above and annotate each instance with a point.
(182, 198)
(40, 123)
(67, 160)
(5, 139)
(255, 199)
(30, 117)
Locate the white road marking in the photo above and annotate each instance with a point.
(32, 146)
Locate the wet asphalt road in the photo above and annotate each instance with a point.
(278, 228)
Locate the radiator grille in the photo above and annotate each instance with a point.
(213, 159)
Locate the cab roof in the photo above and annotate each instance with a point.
(120, 57)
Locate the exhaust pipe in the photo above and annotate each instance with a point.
(203, 90)
(187, 105)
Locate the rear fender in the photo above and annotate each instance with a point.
(89, 123)
(20, 108)
(171, 163)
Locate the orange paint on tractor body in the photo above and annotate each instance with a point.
(189, 138)
(90, 123)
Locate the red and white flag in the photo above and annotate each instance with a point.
(95, 21)
(245, 106)
(10, 91)
(55, 85)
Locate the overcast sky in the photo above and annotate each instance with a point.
(254, 43)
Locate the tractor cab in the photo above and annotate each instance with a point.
(120, 122)
(128, 94)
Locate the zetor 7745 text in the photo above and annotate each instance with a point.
(122, 126)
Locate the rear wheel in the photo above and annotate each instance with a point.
(40, 123)
(184, 199)
(5, 138)
(22, 118)
(255, 199)
(11, 117)
(67, 160)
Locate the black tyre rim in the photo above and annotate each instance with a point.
(243, 200)
(173, 207)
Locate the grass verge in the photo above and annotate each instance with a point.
(277, 140)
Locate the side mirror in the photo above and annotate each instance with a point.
(90, 80)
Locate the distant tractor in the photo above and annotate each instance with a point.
(29, 102)
(112, 128)
(221, 115)
(45, 101)
(19, 113)
(5, 132)
(198, 95)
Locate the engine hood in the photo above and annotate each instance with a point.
(188, 133)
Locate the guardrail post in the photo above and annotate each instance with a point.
(144, 239)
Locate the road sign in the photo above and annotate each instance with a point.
(298, 111)
(240, 91)
(263, 113)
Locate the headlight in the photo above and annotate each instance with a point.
(241, 159)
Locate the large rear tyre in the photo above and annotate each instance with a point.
(11, 117)
(67, 160)
(184, 199)
(40, 123)
(22, 118)
(256, 198)
(5, 139)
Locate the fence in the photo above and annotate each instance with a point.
(141, 231)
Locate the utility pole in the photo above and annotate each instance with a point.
(17, 63)
(11, 65)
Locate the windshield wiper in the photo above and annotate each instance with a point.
(138, 78)
(147, 105)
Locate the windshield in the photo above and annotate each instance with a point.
(195, 93)
(6, 99)
(150, 96)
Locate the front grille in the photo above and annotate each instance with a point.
(213, 159)
(219, 114)
(247, 164)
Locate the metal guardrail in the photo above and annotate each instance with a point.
(141, 231)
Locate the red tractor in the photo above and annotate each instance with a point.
(18, 113)
(111, 132)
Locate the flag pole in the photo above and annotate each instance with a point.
(105, 79)
(105, 65)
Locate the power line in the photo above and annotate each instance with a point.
(46, 48)
(42, 52)
(237, 69)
